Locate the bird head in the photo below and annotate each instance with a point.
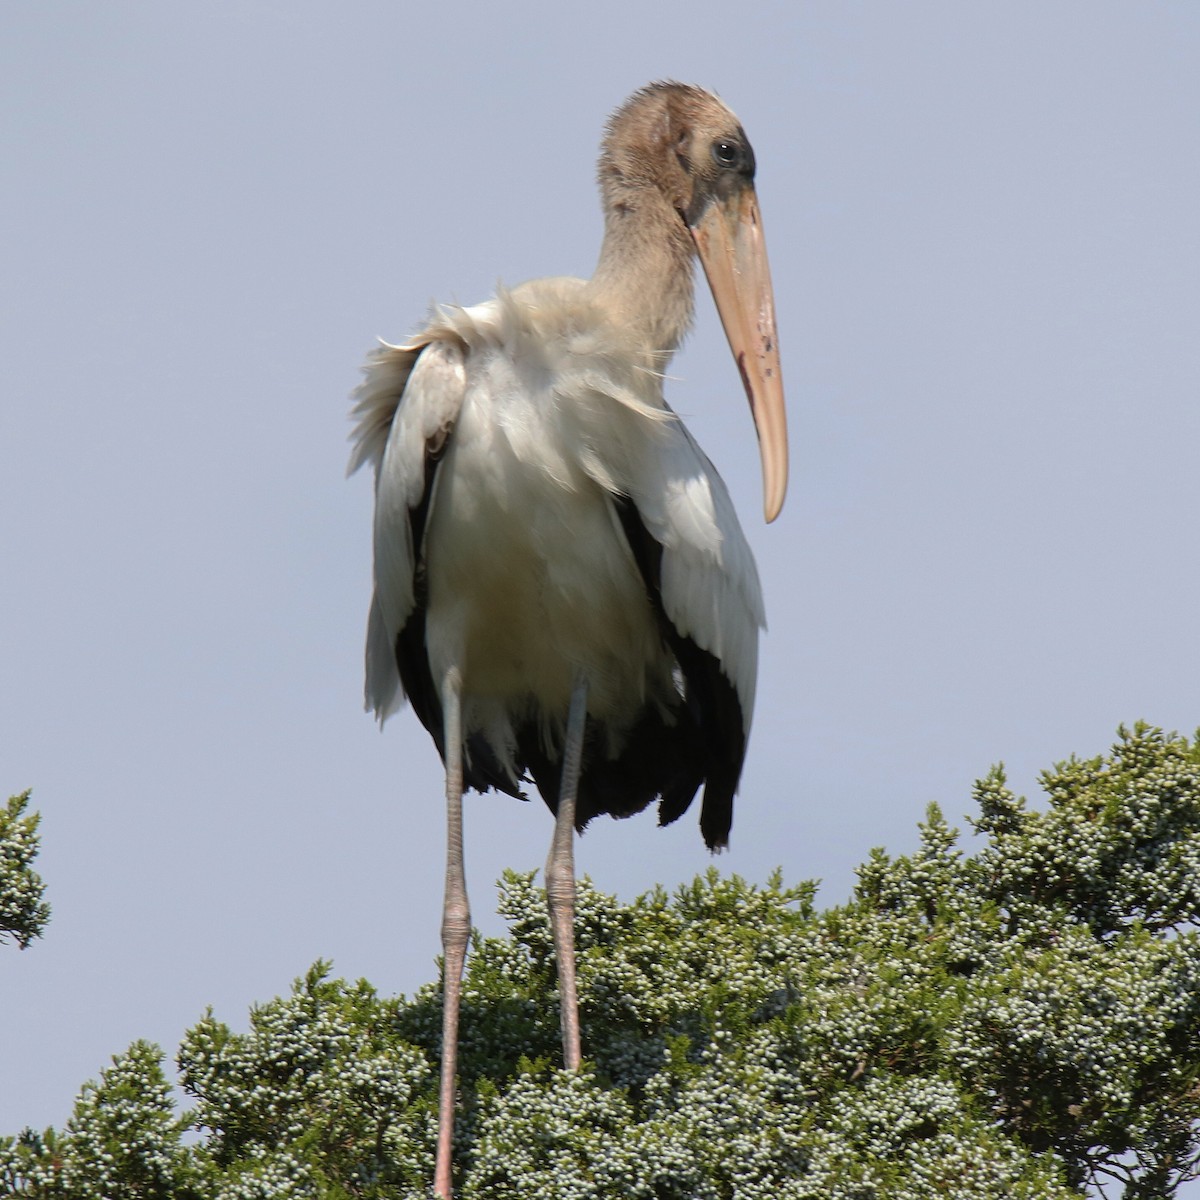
(681, 144)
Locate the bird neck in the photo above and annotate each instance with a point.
(645, 275)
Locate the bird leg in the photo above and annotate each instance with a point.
(456, 926)
(560, 876)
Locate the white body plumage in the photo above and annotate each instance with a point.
(523, 423)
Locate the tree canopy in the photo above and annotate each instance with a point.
(1020, 1020)
(23, 909)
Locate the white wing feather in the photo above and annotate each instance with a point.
(710, 587)
(709, 583)
(406, 406)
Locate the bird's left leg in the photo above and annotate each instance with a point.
(456, 927)
(560, 876)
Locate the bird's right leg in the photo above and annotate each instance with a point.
(456, 926)
(560, 876)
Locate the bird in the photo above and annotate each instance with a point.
(562, 590)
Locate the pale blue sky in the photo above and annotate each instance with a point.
(984, 226)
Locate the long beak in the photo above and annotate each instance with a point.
(729, 237)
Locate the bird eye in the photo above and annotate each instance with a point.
(726, 153)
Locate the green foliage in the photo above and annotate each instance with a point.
(123, 1141)
(321, 1098)
(1023, 1021)
(23, 911)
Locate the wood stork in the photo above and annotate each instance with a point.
(562, 589)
